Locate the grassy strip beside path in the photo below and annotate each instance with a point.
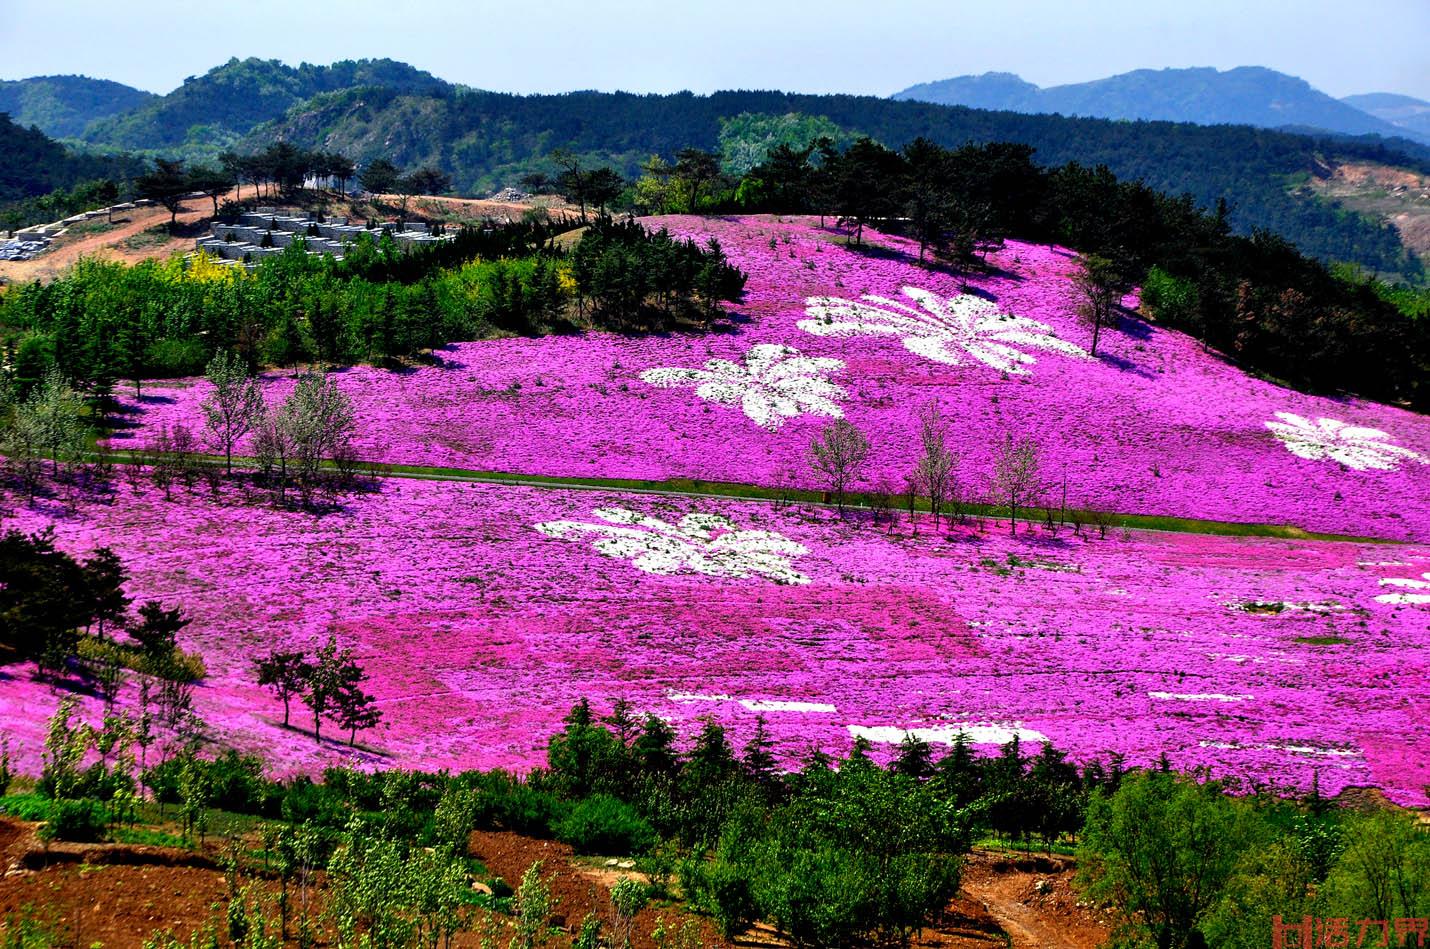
(728, 490)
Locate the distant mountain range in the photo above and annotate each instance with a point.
(382, 108)
(1406, 112)
(1247, 95)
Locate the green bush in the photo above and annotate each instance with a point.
(78, 821)
(602, 824)
(176, 357)
(30, 807)
(720, 891)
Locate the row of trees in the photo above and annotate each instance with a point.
(330, 684)
(106, 321)
(839, 456)
(301, 445)
(280, 170)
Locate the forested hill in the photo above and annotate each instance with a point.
(62, 106)
(36, 164)
(487, 139)
(211, 111)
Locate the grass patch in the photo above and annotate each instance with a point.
(149, 237)
(1323, 640)
(1061, 847)
(146, 837)
(694, 487)
(29, 807)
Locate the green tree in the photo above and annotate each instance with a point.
(1162, 848)
(285, 672)
(213, 182)
(158, 629)
(380, 176)
(325, 681)
(233, 405)
(838, 455)
(167, 184)
(1100, 284)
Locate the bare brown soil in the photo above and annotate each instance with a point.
(1391, 194)
(119, 895)
(114, 895)
(1032, 899)
(578, 889)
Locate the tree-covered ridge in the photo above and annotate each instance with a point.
(488, 139)
(35, 164)
(62, 106)
(213, 110)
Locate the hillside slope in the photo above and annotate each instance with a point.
(1154, 425)
(1246, 95)
(35, 164)
(62, 106)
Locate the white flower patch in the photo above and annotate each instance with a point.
(708, 544)
(1355, 446)
(775, 705)
(978, 733)
(687, 697)
(944, 330)
(1199, 696)
(1281, 746)
(774, 384)
(1410, 583)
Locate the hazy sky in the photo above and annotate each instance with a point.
(864, 46)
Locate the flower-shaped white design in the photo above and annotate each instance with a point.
(774, 384)
(1413, 599)
(708, 544)
(1352, 445)
(944, 330)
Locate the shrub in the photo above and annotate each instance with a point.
(176, 357)
(720, 891)
(30, 807)
(239, 785)
(602, 824)
(511, 804)
(178, 666)
(79, 821)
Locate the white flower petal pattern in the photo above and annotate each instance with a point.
(943, 330)
(1408, 599)
(775, 383)
(1355, 446)
(708, 544)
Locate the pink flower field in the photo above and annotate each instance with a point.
(484, 612)
(1154, 425)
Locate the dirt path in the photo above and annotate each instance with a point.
(1033, 901)
(120, 242)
